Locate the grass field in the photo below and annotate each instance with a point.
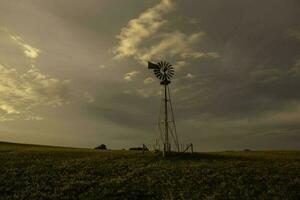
(41, 172)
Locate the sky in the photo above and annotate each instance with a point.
(74, 73)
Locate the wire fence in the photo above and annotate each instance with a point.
(184, 148)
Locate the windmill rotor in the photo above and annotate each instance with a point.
(163, 71)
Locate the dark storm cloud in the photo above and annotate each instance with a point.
(137, 116)
(257, 69)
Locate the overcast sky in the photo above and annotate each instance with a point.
(74, 72)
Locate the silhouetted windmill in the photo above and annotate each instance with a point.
(165, 72)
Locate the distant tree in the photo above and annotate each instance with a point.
(101, 147)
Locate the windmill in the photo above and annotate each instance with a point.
(166, 123)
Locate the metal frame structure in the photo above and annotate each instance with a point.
(166, 121)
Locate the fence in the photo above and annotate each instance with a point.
(185, 148)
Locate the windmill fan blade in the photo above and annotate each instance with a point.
(158, 75)
(156, 71)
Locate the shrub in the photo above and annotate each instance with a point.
(101, 147)
(138, 149)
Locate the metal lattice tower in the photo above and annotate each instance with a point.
(166, 122)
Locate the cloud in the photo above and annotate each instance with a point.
(175, 44)
(29, 51)
(154, 35)
(148, 80)
(149, 37)
(102, 66)
(294, 34)
(179, 64)
(143, 27)
(21, 93)
(90, 98)
(148, 92)
(190, 76)
(128, 76)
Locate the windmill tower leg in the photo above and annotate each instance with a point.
(166, 139)
(172, 124)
